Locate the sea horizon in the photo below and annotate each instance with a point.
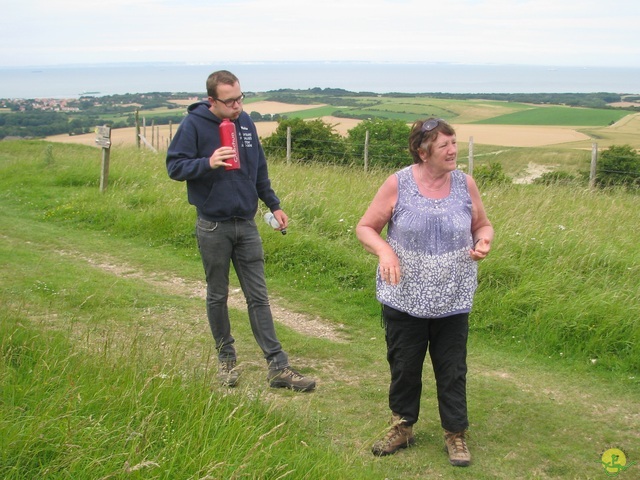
(73, 81)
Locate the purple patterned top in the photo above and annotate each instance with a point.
(432, 239)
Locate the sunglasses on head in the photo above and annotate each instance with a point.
(431, 124)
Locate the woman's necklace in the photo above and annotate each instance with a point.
(433, 189)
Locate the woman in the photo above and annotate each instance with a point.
(437, 231)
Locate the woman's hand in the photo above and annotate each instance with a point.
(480, 249)
(389, 268)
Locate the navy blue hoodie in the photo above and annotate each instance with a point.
(220, 194)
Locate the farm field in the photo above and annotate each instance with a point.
(500, 135)
(475, 122)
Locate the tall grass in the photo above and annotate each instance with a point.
(563, 277)
(104, 376)
(103, 416)
(109, 375)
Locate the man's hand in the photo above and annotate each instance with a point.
(219, 157)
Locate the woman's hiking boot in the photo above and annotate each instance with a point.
(455, 445)
(398, 436)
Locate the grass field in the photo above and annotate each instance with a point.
(107, 365)
(561, 116)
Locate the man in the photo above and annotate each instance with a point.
(226, 202)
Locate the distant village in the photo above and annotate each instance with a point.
(40, 117)
(85, 102)
(42, 104)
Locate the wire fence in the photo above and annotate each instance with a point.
(364, 154)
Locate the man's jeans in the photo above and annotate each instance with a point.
(237, 241)
(408, 340)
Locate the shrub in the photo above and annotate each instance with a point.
(388, 142)
(555, 178)
(491, 174)
(311, 140)
(619, 165)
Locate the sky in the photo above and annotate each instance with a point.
(510, 32)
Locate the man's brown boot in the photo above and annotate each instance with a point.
(455, 445)
(228, 374)
(399, 436)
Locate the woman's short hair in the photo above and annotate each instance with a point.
(425, 132)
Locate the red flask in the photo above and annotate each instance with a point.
(228, 138)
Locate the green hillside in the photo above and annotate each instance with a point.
(108, 366)
(558, 116)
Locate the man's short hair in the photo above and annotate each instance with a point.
(223, 77)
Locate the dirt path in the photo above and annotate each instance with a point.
(300, 322)
(533, 171)
(573, 396)
(508, 396)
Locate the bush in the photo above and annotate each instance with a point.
(491, 174)
(555, 178)
(311, 140)
(618, 166)
(388, 142)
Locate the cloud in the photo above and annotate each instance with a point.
(569, 32)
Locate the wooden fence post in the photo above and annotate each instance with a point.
(103, 138)
(288, 145)
(366, 151)
(594, 160)
(138, 128)
(147, 144)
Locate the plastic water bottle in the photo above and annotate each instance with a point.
(228, 138)
(270, 220)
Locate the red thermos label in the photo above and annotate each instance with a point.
(228, 138)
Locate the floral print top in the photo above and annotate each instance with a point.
(432, 239)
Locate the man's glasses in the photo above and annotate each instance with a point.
(431, 124)
(229, 103)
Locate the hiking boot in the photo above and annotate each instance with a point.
(456, 446)
(399, 436)
(287, 377)
(227, 373)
